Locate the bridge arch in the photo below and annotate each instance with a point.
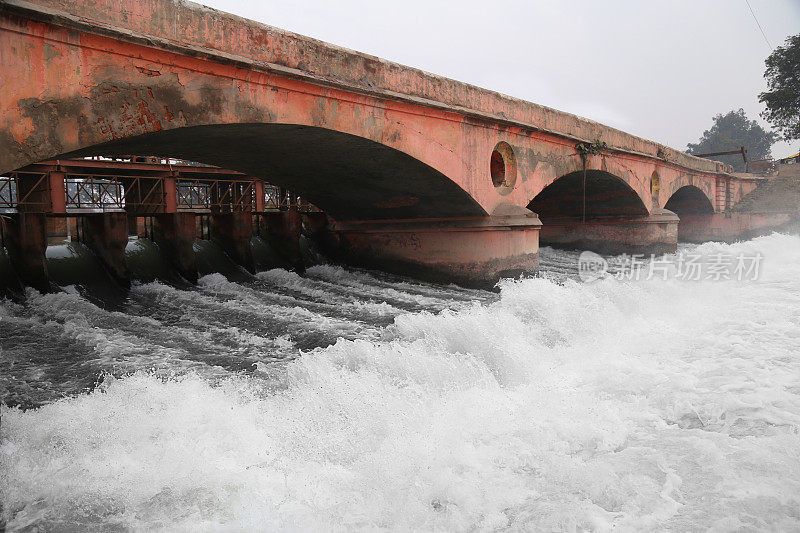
(354, 156)
(689, 200)
(606, 195)
(348, 177)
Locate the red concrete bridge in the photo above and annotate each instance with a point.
(416, 172)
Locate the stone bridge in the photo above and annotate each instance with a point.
(415, 170)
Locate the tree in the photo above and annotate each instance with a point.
(783, 81)
(731, 131)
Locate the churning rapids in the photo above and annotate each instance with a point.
(349, 400)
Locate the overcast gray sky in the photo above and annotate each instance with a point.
(660, 69)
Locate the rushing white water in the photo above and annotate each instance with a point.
(627, 406)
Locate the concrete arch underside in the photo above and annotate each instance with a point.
(601, 212)
(689, 200)
(602, 195)
(348, 177)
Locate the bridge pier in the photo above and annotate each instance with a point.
(106, 234)
(25, 232)
(174, 233)
(473, 251)
(315, 222)
(25, 239)
(59, 229)
(652, 234)
(729, 227)
(232, 232)
(283, 229)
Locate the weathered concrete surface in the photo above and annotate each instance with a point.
(780, 194)
(25, 239)
(360, 137)
(232, 232)
(174, 233)
(731, 227)
(314, 223)
(473, 252)
(650, 234)
(106, 234)
(58, 229)
(282, 230)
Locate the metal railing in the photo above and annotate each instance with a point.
(281, 199)
(223, 194)
(8, 192)
(92, 192)
(87, 191)
(11, 194)
(153, 160)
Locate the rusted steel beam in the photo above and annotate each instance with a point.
(91, 166)
(170, 195)
(56, 182)
(741, 150)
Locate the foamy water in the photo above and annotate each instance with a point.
(347, 401)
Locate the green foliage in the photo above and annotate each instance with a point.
(595, 147)
(731, 131)
(783, 97)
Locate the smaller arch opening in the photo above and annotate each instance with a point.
(605, 196)
(503, 168)
(689, 200)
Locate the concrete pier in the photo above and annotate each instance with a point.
(282, 230)
(472, 252)
(25, 239)
(232, 232)
(106, 234)
(174, 233)
(650, 234)
(730, 227)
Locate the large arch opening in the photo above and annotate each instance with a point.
(194, 213)
(348, 177)
(604, 195)
(689, 200)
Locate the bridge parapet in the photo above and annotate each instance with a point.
(195, 30)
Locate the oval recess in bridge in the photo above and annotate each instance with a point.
(503, 167)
